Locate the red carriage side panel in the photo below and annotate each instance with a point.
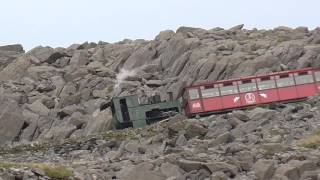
(195, 106)
(306, 90)
(250, 98)
(305, 84)
(212, 104)
(230, 95)
(211, 99)
(317, 78)
(194, 103)
(267, 89)
(231, 101)
(267, 96)
(286, 87)
(248, 92)
(288, 93)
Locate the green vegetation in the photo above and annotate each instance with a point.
(120, 135)
(24, 148)
(312, 141)
(52, 171)
(283, 39)
(110, 88)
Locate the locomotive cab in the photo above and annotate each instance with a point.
(127, 111)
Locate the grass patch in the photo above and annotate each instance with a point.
(110, 88)
(52, 171)
(120, 135)
(24, 148)
(311, 142)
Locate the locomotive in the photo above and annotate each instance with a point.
(220, 96)
(128, 111)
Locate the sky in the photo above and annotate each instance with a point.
(60, 23)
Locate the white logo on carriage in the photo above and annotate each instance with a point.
(196, 105)
(250, 98)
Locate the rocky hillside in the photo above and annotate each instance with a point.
(51, 108)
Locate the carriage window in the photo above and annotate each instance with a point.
(210, 92)
(266, 83)
(304, 79)
(193, 94)
(247, 87)
(285, 81)
(228, 89)
(317, 74)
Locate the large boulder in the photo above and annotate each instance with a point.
(140, 171)
(141, 57)
(16, 69)
(13, 47)
(170, 170)
(11, 120)
(264, 169)
(177, 45)
(9, 53)
(42, 54)
(261, 113)
(79, 58)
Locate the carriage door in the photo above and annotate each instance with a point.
(267, 89)
(230, 95)
(194, 100)
(305, 84)
(211, 97)
(286, 87)
(124, 110)
(317, 76)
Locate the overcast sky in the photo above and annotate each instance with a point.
(64, 22)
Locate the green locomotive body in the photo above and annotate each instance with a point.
(127, 111)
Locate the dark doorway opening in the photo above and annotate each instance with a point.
(124, 110)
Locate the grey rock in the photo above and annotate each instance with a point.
(140, 57)
(16, 69)
(154, 83)
(141, 171)
(11, 120)
(229, 169)
(170, 170)
(260, 113)
(42, 53)
(288, 171)
(181, 141)
(165, 35)
(38, 108)
(222, 139)
(195, 175)
(241, 115)
(188, 165)
(219, 176)
(193, 130)
(101, 122)
(80, 58)
(236, 28)
(264, 169)
(13, 47)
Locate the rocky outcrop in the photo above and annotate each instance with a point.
(84, 76)
(61, 95)
(181, 148)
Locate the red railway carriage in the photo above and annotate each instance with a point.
(230, 94)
